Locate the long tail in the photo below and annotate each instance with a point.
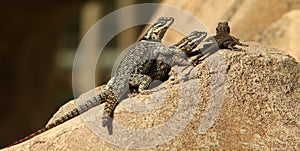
(64, 118)
(95, 101)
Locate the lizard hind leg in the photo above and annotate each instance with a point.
(142, 82)
(109, 108)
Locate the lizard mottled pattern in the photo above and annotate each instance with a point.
(185, 44)
(222, 38)
(137, 60)
(145, 53)
(155, 33)
(160, 67)
(157, 70)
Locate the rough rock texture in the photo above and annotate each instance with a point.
(260, 110)
(249, 20)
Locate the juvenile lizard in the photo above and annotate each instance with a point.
(222, 38)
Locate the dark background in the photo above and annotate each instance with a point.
(37, 46)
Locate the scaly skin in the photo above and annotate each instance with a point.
(161, 67)
(145, 53)
(137, 61)
(158, 71)
(155, 33)
(222, 38)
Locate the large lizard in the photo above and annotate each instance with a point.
(161, 66)
(157, 70)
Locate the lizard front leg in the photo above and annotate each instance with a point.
(231, 45)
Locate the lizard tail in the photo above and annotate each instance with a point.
(95, 101)
(62, 119)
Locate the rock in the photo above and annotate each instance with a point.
(208, 12)
(284, 34)
(247, 18)
(259, 110)
(253, 17)
(274, 22)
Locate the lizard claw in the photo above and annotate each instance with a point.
(105, 120)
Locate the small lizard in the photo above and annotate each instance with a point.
(222, 38)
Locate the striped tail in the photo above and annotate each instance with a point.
(66, 117)
(95, 101)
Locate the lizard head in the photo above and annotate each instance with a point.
(157, 31)
(223, 27)
(191, 41)
(194, 38)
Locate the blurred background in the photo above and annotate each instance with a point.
(37, 48)
(39, 39)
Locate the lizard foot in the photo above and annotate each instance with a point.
(106, 120)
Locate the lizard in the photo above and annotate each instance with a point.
(155, 33)
(161, 66)
(223, 39)
(158, 67)
(147, 53)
